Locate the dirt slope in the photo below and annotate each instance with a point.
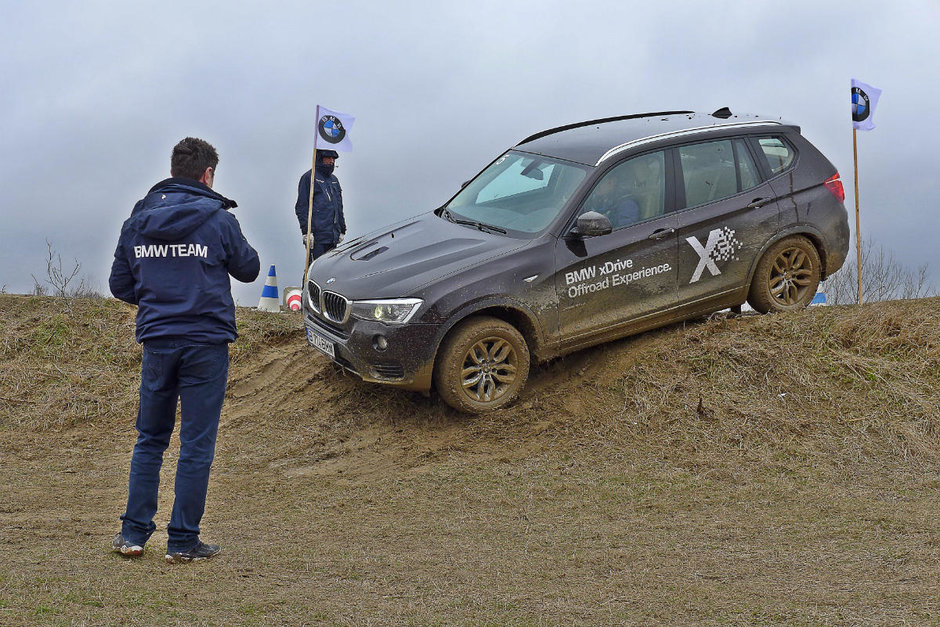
(759, 469)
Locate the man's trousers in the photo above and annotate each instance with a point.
(195, 375)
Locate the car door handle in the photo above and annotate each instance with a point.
(661, 233)
(758, 202)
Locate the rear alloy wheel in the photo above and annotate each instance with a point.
(482, 365)
(786, 277)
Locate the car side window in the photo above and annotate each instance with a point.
(750, 175)
(708, 172)
(778, 153)
(631, 192)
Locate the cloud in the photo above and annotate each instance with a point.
(97, 94)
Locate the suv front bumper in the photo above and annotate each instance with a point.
(406, 361)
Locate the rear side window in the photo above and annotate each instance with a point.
(708, 172)
(715, 170)
(750, 176)
(778, 153)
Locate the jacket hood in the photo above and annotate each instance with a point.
(176, 207)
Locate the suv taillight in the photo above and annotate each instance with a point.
(834, 185)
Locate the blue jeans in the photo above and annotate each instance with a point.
(195, 375)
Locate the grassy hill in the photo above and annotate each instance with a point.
(755, 469)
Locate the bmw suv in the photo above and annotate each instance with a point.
(576, 236)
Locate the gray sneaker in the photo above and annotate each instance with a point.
(125, 547)
(201, 551)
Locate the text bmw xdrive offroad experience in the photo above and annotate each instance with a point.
(579, 235)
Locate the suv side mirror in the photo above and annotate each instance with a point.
(593, 224)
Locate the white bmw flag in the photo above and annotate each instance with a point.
(864, 100)
(333, 130)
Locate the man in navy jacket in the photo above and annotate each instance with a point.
(329, 224)
(173, 260)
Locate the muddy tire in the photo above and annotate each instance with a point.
(482, 365)
(786, 277)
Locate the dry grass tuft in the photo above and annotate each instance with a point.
(65, 361)
(70, 361)
(827, 383)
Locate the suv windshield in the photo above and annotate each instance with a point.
(518, 192)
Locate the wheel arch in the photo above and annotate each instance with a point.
(805, 230)
(507, 310)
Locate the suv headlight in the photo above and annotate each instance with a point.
(389, 311)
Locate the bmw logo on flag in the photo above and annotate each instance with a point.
(860, 108)
(331, 129)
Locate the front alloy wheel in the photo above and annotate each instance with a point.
(482, 365)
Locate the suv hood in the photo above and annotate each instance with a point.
(401, 259)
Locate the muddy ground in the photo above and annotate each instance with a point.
(752, 470)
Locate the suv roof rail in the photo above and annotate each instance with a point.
(567, 127)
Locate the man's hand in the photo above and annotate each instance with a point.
(340, 240)
(305, 239)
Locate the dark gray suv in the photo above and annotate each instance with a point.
(576, 236)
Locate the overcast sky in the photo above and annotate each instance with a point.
(96, 93)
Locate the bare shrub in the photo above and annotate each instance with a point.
(62, 282)
(883, 278)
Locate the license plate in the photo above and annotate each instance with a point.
(321, 343)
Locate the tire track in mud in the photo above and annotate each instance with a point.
(267, 372)
(287, 405)
(290, 410)
(279, 379)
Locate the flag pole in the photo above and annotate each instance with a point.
(858, 232)
(313, 171)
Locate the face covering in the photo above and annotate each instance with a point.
(325, 170)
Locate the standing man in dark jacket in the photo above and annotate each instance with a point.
(329, 224)
(173, 260)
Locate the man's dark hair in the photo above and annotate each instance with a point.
(191, 157)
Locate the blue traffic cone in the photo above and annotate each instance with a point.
(269, 297)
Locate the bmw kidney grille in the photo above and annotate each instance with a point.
(335, 306)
